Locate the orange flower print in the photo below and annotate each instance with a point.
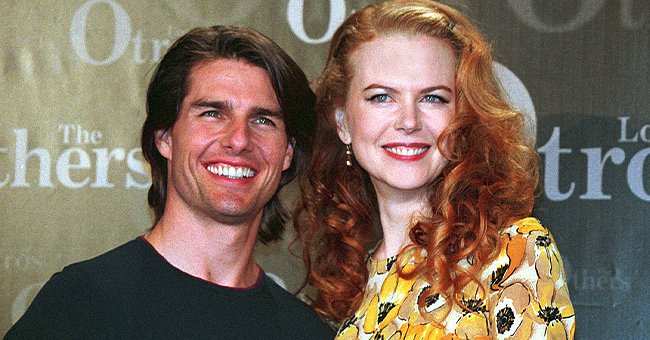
(512, 312)
(384, 307)
(521, 294)
(534, 301)
(555, 314)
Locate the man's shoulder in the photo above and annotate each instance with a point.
(82, 297)
(116, 270)
(300, 313)
(125, 258)
(129, 250)
(285, 298)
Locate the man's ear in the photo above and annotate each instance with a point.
(342, 126)
(288, 155)
(164, 142)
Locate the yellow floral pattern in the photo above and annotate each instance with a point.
(527, 297)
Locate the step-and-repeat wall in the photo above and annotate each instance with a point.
(73, 181)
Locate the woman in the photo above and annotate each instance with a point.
(415, 136)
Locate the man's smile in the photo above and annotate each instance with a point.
(233, 172)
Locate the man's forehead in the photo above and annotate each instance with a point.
(223, 65)
(232, 83)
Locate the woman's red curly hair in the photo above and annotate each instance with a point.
(489, 182)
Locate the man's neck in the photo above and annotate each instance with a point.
(221, 254)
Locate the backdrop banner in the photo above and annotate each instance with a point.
(73, 180)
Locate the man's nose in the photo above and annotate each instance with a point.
(237, 135)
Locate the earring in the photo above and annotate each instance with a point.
(348, 155)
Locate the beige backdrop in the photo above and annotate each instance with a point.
(73, 182)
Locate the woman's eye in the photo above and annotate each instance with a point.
(379, 98)
(430, 98)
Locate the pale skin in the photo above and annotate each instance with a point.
(229, 120)
(400, 98)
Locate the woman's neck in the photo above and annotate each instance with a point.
(397, 212)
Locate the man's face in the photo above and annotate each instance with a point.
(228, 147)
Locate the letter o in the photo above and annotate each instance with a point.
(643, 133)
(122, 32)
(635, 174)
(295, 17)
(525, 11)
(23, 299)
(518, 97)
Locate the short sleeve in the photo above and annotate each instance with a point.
(529, 295)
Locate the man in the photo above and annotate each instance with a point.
(229, 116)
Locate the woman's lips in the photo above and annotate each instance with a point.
(407, 152)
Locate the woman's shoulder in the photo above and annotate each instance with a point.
(525, 227)
(525, 237)
(527, 283)
(526, 247)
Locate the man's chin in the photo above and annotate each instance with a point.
(237, 214)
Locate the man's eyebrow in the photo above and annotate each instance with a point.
(213, 104)
(223, 105)
(260, 111)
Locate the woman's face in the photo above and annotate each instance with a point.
(400, 98)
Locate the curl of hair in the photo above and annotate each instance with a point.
(489, 182)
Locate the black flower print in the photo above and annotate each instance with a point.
(550, 314)
(498, 274)
(430, 300)
(474, 306)
(543, 241)
(390, 261)
(505, 319)
(347, 323)
(384, 308)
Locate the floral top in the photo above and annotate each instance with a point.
(527, 297)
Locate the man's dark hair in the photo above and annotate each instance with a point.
(168, 88)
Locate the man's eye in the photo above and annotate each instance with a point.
(211, 113)
(435, 99)
(379, 98)
(264, 120)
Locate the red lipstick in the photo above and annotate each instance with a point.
(408, 152)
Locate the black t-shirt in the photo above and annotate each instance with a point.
(131, 292)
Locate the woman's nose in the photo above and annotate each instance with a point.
(409, 118)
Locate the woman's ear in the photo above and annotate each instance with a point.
(342, 127)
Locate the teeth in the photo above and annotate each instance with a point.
(404, 151)
(231, 171)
